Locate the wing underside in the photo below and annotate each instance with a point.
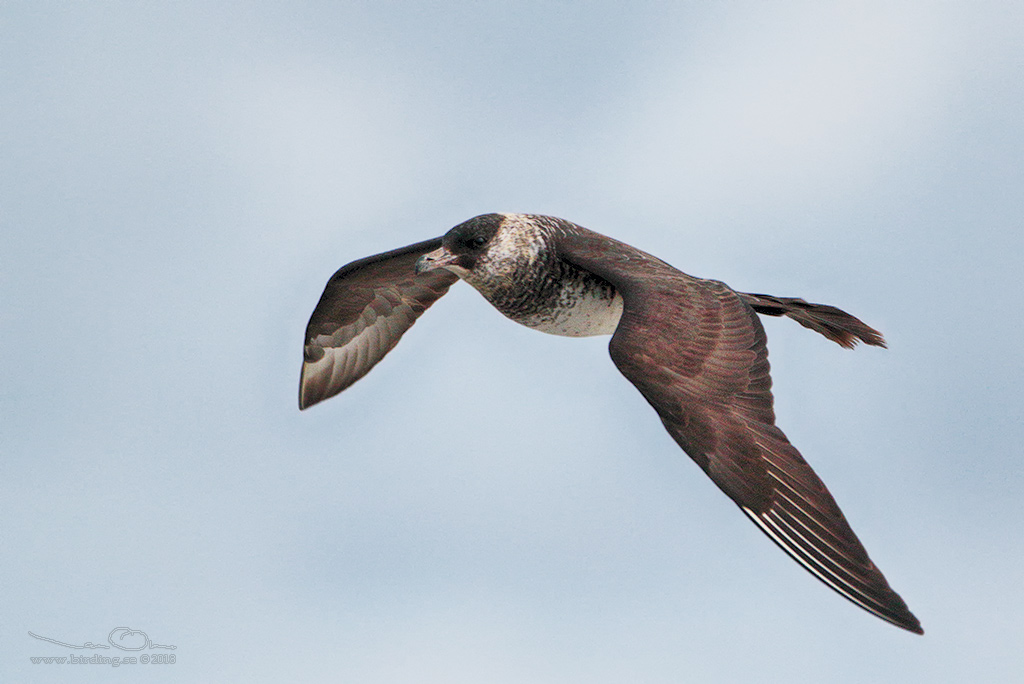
(365, 309)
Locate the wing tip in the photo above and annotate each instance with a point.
(907, 621)
(307, 395)
(889, 606)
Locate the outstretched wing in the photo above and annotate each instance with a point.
(365, 309)
(697, 353)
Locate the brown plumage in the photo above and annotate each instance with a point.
(694, 348)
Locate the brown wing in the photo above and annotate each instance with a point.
(697, 353)
(365, 309)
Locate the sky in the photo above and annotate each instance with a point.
(490, 504)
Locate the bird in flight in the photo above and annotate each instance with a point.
(694, 348)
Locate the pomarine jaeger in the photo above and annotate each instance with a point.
(693, 347)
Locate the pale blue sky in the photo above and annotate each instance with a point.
(179, 180)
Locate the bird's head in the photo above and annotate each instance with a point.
(490, 252)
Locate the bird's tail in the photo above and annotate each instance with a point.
(833, 323)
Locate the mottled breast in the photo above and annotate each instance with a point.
(522, 275)
(574, 304)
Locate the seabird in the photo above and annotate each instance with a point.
(695, 349)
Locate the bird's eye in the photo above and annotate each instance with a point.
(478, 241)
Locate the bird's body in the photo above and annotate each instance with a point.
(525, 280)
(693, 347)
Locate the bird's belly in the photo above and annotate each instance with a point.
(578, 314)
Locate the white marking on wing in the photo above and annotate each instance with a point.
(796, 551)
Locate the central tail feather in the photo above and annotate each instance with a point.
(833, 323)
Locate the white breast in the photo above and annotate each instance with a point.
(579, 314)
